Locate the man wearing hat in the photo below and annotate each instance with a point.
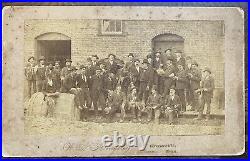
(157, 60)
(57, 74)
(96, 92)
(150, 60)
(206, 91)
(180, 85)
(194, 76)
(179, 59)
(40, 70)
(130, 61)
(188, 66)
(169, 74)
(167, 55)
(111, 65)
(135, 71)
(171, 105)
(66, 70)
(30, 76)
(83, 84)
(146, 81)
(153, 104)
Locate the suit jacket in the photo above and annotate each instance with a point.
(57, 73)
(40, 73)
(157, 63)
(182, 81)
(168, 82)
(154, 100)
(82, 82)
(195, 80)
(180, 62)
(147, 76)
(97, 83)
(135, 73)
(169, 102)
(208, 83)
(65, 71)
(116, 100)
(68, 83)
(47, 88)
(92, 68)
(112, 68)
(29, 71)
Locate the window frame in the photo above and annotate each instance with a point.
(111, 32)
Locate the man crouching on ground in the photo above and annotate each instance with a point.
(171, 106)
(116, 101)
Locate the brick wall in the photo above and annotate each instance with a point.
(203, 39)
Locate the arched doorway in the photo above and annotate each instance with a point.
(166, 41)
(54, 46)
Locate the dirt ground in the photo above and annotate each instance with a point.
(90, 127)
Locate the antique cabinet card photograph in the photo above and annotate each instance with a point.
(109, 81)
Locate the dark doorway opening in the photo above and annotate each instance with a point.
(54, 50)
(167, 41)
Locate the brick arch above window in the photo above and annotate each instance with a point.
(52, 36)
(168, 37)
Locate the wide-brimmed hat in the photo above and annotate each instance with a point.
(111, 54)
(149, 56)
(131, 54)
(68, 60)
(207, 69)
(41, 58)
(95, 56)
(194, 63)
(32, 57)
(145, 61)
(82, 67)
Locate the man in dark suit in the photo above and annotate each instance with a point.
(57, 74)
(194, 77)
(40, 70)
(135, 71)
(206, 91)
(111, 65)
(94, 64)
(179, 59)
(188, 67)
(180, 86)
(171, 105)
(166, 56)
(30, 76)
(82, 84)
(130, 61)
(146, 81)
(66, 70)
(150, 60)
(169, 73)
(157, 60)
(97, 96)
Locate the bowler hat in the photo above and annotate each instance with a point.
(32, 57)
(168, 50)
(95, 56)
(178, 51)
(149, 56)
(194, 63)
(82, 67)
(130, 54)
(136, 60)
(111, 54)
(170, 58)
(41, 58)
(207, 69)
(68, 60)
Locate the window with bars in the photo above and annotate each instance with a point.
(111, 27)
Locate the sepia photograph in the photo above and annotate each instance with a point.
(123, 81)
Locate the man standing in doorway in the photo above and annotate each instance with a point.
(40, 70)
(30, 76)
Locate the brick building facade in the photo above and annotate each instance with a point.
(203, 40)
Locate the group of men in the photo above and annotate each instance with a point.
(163, 83)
